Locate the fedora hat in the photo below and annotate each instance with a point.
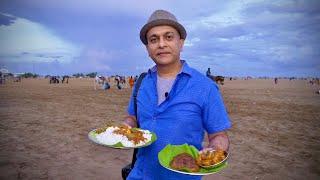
(158, 18)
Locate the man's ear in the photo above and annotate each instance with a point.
(181, 44)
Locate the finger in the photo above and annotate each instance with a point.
(126, 124)
(206, 150)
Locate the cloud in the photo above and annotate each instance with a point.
(30, 40)
(248, 37)
(191, 42)
(6, 20)
(258, 37)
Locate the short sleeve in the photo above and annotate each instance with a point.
(215, 117)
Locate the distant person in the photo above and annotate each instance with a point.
(16, 78)
(135, 78)
(175, 101)
(122, 79)
(97, 81)
(276, 80)
(1, 78)
(208, 73)
(106, 85)
(131, 82)
(118, 83)
(65, 79)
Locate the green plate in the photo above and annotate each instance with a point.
(166, 155)
(92, 136)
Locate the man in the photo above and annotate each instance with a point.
(208, 73)
(175, 101)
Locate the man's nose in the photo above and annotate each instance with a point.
(162, 42)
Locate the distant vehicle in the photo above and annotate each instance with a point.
(217, 79)
(65, 79)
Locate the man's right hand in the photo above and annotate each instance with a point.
(130, 121)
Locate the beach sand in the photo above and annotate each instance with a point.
(43, 128)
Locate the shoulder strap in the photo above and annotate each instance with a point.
(135, 93)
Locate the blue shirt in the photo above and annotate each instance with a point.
(194, 105)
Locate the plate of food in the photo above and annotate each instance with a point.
(212, 158)
(186, 159)
(122, 137)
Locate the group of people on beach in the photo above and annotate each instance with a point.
(119, 82)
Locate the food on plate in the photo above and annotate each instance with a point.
(210, 158)
(102, 129)
(128, 137)
(184, 161)
(132, 134)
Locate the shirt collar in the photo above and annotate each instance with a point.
(184, 70)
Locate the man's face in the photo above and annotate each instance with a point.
(164, 45)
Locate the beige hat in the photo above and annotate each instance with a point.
(161, 17)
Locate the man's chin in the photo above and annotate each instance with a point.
(163, 57)
(163, 61)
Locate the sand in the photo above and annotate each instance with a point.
(43, 129)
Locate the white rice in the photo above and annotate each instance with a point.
(109, 138)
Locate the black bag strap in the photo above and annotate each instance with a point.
(135, 94)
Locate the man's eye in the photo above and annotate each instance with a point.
(153, 40)
(169, 37)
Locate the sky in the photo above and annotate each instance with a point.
(233, 38)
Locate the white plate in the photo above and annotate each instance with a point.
(191, 173)
(92, 137)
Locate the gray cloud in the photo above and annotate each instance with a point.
(263, 38)
(282, 37)
(6, 20)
